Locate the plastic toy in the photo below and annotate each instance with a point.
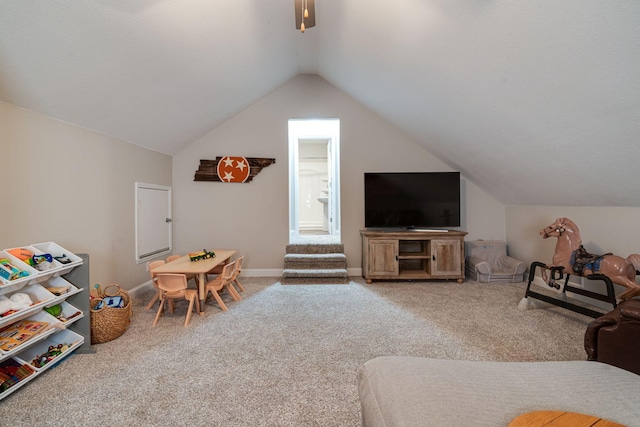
(66, 319)
(62, 259)
(53, 352)
(41, 262)
(9, 272)
(38, 261)
(42, 258)
(22, 254)
(205, 254)
(54, 310)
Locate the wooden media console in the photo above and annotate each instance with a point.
(413, 255)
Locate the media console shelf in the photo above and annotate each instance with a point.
(413, 255)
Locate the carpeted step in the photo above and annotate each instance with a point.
(315, 249)
(315, 261)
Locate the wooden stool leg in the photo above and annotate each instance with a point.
(186, 321)
(159, 312)
(239, 285)
(155, 298)
(234, 294)
(219, 300)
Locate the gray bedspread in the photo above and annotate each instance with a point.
(412, 391)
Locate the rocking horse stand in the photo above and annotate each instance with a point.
(557, 274)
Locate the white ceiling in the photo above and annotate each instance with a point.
(537, 102)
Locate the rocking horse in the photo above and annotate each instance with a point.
(570, 257)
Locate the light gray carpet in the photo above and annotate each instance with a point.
(286, 355)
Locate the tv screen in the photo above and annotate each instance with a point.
(412, 199)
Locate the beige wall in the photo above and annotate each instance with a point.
(74, 187)
(253, 217)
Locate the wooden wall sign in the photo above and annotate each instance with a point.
(231, 168)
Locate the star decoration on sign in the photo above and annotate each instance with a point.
(233, 169)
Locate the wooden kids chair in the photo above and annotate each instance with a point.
(236, 273)
(223, 281)
(172, 287)
(152, 265)
(189, 276)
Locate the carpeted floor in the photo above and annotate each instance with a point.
(286, 355)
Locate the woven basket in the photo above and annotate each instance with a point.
(108, 323)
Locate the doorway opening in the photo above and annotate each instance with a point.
(314, 181)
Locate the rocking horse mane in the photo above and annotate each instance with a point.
(567, 223)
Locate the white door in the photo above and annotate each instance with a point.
(153, 221)
(333, 155)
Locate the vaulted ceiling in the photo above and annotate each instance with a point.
(537, 102)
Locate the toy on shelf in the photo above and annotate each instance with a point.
(205, 254)
(18, 301)
(12, 372)
(58, 290)
(23, 254)
(17, 333)
(10, 272)
(62, 259)
(54, 310)
(42, 359)
(41, 262)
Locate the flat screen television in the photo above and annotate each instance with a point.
(411, 199)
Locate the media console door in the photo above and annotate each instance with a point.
(382, 258)
(412, 255)
(447, 258)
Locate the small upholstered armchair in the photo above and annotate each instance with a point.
(487, 261)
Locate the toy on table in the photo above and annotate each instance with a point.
(205, 254)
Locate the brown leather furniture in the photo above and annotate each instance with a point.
(614, 338)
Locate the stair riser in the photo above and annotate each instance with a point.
(313, 265)
(314, 281)
(315, 273)
(315, 249)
